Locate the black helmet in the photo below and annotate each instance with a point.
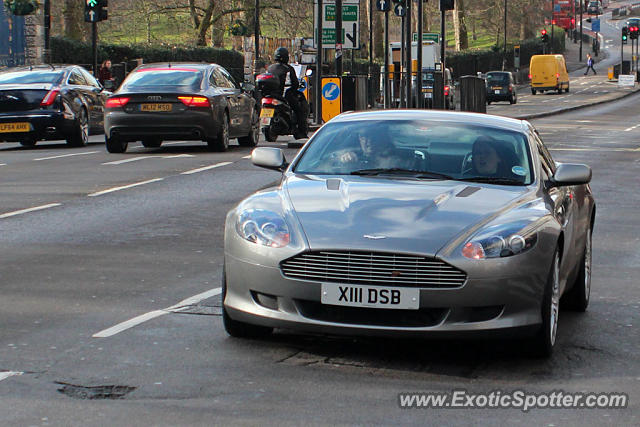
(281, 55)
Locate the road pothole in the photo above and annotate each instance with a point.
(95, 392)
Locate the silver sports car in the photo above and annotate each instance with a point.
(418, 223)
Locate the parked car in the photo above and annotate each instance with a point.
(548, 73)
(501, 87)
(50, 102)
(428, 79)
(181, 101)
(412, 223)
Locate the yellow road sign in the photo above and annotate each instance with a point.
(331, 98)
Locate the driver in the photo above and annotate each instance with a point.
(375, 151)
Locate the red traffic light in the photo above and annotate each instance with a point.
(553, 22)
(543, 32)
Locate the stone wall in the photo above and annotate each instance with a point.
(34, 37)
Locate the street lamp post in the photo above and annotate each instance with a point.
(504, 50)
(256, 36)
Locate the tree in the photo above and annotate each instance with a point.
(460, 27)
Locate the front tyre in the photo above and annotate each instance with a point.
(545, 339)
(79, 136)
(533, 91)
(114, 145)
(578, 297)
(236, 328)
(251, 140)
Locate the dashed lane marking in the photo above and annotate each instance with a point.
(247, 157)
(6, 374)
(66, 155)
(23, 211)
(124, 187)
(631, 128)
(156, 313)
(131, 159)
(206, 168)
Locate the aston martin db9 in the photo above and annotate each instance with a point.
(418, 223)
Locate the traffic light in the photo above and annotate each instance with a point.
(633, 33)
(95, 10)
(544, 36)
(625, 34)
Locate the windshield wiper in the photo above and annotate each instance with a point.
(493, 180)
(414, 173)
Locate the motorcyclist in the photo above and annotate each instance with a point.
(280, 69)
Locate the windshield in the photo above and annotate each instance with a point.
(150, 77)
(26, 77)
(419, 149)
(498, 78)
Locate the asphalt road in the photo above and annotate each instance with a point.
(93, 260)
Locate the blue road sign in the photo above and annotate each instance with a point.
(595, 25)
(383, 5)
(400, 10)
(330, 91)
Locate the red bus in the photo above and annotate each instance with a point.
(563, 14)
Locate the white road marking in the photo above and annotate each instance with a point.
(206, 168)
(124, 187)
(247, 157)
(22, 211)
(631, 128)
(6, 374)
(175, 143)
(178, 156)
(3, 164)
(131, 159)
(66, 155)
(157, 313)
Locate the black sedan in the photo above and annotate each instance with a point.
(50, 102)
(501, 87)
(201, 102)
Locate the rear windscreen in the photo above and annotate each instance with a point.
(26, 77)
(498, 78)
(163, 77)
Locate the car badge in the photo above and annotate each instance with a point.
(374, 236)
(154, 98)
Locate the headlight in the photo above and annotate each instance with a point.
(500, 241)
(263, 227)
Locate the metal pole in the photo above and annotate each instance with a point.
(339, 38)
(385, 78)
(403, 55)
(47, 31)
(553, 5)
(419, 98)
(318, 77)
(504, 50)
(371, 89)
(256, 36)
(443, 42)
(94, 44)
(580, 54)
(409, 62)
(575, 23)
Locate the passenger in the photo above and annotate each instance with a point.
(491, 158)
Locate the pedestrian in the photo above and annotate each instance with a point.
(590, 65)
(104, 74)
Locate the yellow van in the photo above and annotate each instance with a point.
(548, 72)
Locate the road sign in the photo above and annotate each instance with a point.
(350, 24)
(626, 80)
(331, 98)
(595, 25)
(400, 10)
(434, 37)
(383, 5)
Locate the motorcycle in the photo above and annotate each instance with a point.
(276, 115)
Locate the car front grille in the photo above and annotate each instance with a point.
(372, 268)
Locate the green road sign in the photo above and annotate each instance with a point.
(434, 37)
(349, 13)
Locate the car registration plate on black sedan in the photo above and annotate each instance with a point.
(15, 127)
(370, 296)
(156, 108)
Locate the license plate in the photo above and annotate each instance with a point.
(267, 112)
(497, 92)
(370, 296)
(265, 121)
(429, 95)
(15, 127)
(155, 108)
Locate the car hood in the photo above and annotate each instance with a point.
(364, 213)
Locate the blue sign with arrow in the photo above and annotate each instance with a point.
(330, 91)
(383, 5)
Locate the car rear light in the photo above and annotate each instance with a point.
(271, 101)
(530, 76)
(49, 98)
(116, 102)
(510, 88)
(557, 75)
(194, 101)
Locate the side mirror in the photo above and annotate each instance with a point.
(571, 174)
(269, 158)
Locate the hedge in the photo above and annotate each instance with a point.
(65, 51)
